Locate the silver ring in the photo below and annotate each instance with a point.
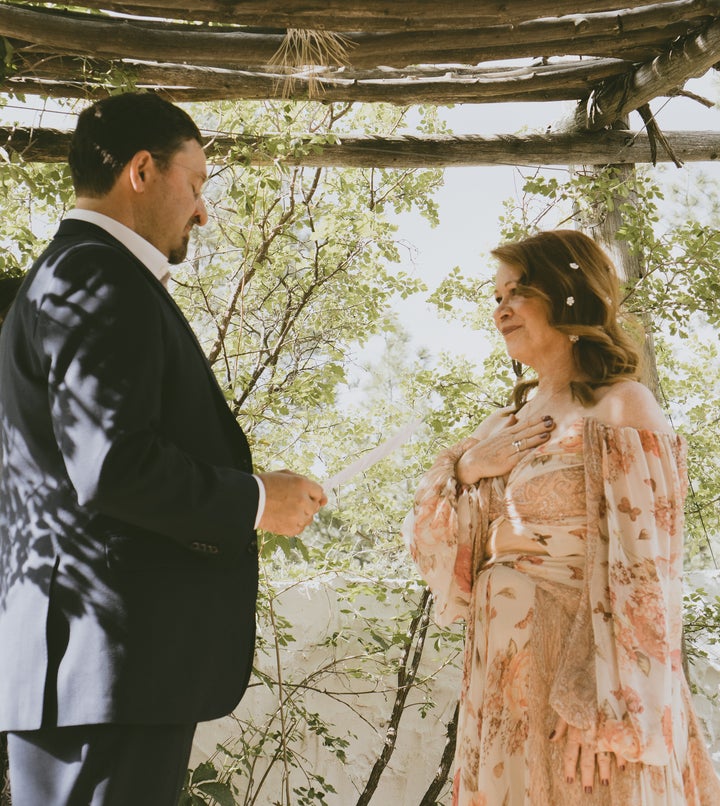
(516, 444)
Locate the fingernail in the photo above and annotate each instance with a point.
(569, 779)
(605, 782)
(588, 790)
(547, 419)
(552, 735)
(622, 768)
(545, 436)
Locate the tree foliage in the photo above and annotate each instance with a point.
(290, 289)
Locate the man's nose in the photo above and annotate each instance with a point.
(201, 215)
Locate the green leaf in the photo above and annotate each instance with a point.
(204, 772)
(221, 793)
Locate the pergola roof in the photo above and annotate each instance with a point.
(608, 58)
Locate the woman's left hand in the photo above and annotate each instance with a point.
(581, 745)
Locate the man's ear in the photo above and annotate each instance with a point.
(139, 168)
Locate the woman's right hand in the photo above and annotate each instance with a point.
(499, 452)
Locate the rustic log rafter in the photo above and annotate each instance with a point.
(639, 34)
(367, 15)
(72, 77)
(609, 58)
(440, 151)
(689, 58)
(214, 55)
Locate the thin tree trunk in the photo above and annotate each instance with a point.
(4, 772)
(629, 266)
(407, 671)
(430, 798)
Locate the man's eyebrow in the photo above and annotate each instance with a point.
(202, 174)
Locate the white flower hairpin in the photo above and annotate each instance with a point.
(574, 266)
(570, 301)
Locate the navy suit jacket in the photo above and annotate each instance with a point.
(128, 557)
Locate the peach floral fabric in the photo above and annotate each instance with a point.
(568, 576)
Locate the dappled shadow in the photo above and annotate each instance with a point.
(52, 564)
(40, 516)
(124, 490)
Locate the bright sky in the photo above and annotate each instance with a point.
(471, 199)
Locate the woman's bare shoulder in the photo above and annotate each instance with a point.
(630, 404)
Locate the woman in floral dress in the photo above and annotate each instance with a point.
(555, 531)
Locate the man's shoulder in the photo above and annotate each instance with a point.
(79, 243)
(74, 232)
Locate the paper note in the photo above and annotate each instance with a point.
(371, 457)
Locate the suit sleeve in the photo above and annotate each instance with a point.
(99, 332)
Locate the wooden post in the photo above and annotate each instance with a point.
(629, 267)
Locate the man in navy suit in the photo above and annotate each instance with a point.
(128, 506)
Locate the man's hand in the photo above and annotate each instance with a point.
(291, 502)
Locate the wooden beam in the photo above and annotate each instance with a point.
(636, 35)
(364, 15)
(97, 36)
(599, 148)
(72, 77)
(689, 58)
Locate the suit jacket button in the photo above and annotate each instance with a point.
(252, 547)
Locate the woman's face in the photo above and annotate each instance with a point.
(523, 322)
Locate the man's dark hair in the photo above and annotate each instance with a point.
(111, 131)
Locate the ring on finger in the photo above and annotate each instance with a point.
(516, 444)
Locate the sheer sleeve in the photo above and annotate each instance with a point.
(442, 534)
(636, 485)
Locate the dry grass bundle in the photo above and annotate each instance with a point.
(303, 51)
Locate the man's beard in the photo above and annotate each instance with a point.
(179, 253)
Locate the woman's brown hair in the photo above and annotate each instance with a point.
(577, 282)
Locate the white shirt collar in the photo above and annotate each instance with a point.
(152, 258)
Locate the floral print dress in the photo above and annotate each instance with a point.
(568, 575)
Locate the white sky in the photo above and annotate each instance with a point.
(471, 200)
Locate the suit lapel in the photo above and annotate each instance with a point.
(84, 231)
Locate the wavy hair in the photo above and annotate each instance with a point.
(562, 265)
